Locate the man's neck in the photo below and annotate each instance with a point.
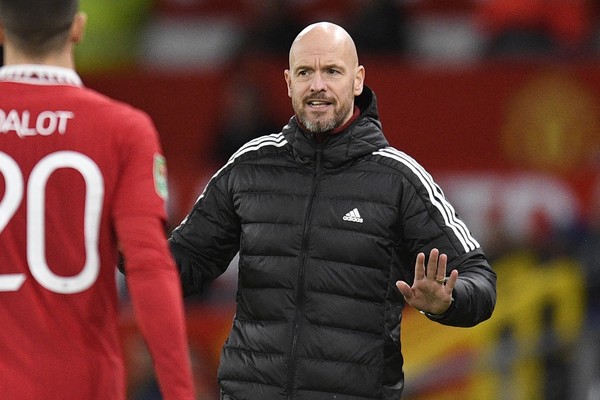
(60, 59)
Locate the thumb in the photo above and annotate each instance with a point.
(404, 288)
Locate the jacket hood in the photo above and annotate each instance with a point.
(362, 137)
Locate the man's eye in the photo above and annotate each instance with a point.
(333, 71)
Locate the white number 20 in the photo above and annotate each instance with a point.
(36, 240)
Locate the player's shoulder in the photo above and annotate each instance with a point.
(109, 107)
(113, 119)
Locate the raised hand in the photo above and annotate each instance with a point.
(431, 291)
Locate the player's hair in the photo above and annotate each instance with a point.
(38, 27)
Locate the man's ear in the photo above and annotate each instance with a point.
(288, 82)
(359, 80)
(78, 27)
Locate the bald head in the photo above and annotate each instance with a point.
(325, 37)
(324, 77)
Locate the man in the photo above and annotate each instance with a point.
(81, 177)
(327, 219)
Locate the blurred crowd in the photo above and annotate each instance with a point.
(207, 33)
(458, 29)
(200, 33)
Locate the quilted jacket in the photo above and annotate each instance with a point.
(324, 230)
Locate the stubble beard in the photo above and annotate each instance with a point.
(321, 124)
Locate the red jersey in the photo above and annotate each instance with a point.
(82, 177)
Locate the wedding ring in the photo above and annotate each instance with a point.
(442, 281)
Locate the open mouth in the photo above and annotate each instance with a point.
(318, 103)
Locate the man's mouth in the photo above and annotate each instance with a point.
(318, 103)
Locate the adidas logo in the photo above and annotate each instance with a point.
(353, 216)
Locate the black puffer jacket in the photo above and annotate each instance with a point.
(324, 232)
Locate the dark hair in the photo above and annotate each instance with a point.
(38, 27)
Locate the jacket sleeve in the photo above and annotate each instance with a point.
(206, 241)
(474, 294)
(430, 222)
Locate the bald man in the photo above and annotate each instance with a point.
(336, 232)
(324, 77)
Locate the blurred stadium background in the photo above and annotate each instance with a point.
(498, 99)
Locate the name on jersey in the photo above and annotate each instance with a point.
(23, 123)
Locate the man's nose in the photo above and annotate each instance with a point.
(318, 83)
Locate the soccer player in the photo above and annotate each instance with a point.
(81, 177)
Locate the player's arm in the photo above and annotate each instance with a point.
(152, 278)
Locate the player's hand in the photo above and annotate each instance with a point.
(431, 291)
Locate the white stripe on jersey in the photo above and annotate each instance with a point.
(275, 139)
(436, 196)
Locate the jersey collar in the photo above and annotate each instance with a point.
(40, 75)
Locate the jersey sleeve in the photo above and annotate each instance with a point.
(151, 275)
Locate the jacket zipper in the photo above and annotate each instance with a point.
(300, 291)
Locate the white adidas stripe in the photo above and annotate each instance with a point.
(436, 196)
(252, 144)
(275, 139)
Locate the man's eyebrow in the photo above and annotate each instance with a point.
(302, 66)
(324, 66)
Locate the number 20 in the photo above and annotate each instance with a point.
(36, 196)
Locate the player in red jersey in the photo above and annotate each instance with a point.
(81, 177)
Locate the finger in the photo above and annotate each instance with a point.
(420, 266)
(441, 267)
(432, 264)
(451, 281)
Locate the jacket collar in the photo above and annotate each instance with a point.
(362, 137)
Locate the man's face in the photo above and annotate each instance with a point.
(322, 81)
